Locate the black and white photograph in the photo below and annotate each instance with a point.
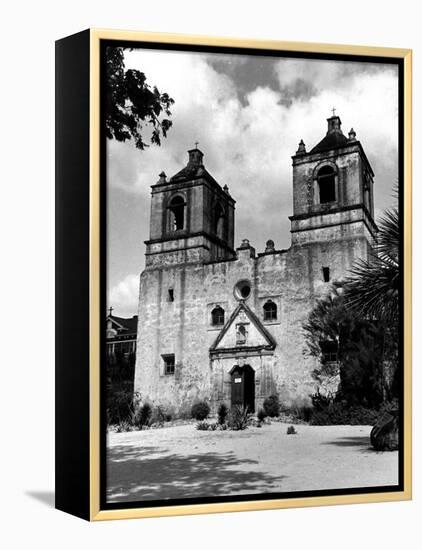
(252, 340)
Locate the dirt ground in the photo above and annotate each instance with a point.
(182, 462)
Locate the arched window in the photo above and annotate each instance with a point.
(217, 316)
(367, 192)
(327, 184)
(270, 311)
(219, 221)
(177, 214)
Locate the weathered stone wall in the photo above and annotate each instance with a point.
(292, 279)
(329, 235)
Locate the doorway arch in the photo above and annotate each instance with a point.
(243, 387)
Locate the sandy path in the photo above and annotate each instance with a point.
(181, 462)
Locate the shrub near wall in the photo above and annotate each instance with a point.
(340, 414)
(239, 418)
(223, 411)
(143, 416)
(200, 410)
(121, 405)
(271, 406)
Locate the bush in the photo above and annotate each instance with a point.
(340, 413)
(389, 406)
(291, 430)
(272, 406)
(239, 418)
(301, 412)
(223, 411)
(123, 426)
(202, 425)
(320, 401)
(120, 406)
(200, 410)
(261, 415)
(207, 426)
(143, 416)
(159, 416)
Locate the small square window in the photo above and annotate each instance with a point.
(168, 363)
(170, 295)
(329, 351)
(326, 274)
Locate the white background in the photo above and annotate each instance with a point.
(27, 37)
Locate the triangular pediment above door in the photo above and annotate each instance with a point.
(243, 331)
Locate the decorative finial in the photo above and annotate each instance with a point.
(162, 177)
(269, 246)
(352, 135)
(245, 243)
(196, 144)
(301, 150)
(333, 111)
(110, 311)
(226, 189)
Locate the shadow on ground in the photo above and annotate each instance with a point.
(358, 441)
(45, 497)
(136, 474)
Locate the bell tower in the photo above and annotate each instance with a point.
(192, 217)
(333, 200)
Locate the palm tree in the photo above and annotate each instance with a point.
(373, 286)
(373, 290)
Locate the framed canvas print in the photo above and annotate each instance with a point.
(233, 274)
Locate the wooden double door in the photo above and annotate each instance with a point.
(243, 387)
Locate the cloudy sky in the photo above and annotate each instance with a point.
(248, 114)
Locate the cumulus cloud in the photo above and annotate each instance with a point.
(123, 297)
(249, 133)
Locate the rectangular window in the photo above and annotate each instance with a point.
(329, 351)
(326, 274)
(270, 311)
(168, 363)
(170, 295)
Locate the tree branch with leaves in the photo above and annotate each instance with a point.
(132, 105)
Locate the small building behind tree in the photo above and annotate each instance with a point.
(121, 335)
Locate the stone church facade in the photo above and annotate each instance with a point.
(225, 324)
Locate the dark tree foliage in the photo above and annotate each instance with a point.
(361, 366)
(121, 368)
(120, 372)
(360, 350)
(131, 104)
(325, 323)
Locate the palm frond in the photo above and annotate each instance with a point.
(388, 241)
(372, 289)
(373, 286)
